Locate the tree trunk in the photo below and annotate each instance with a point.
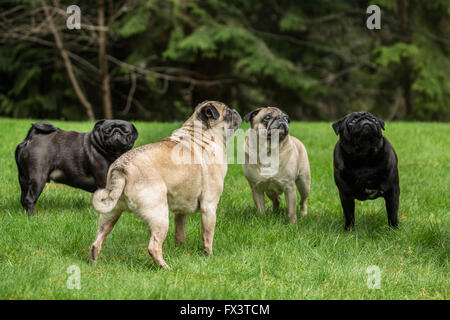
(402, 7)
(104, 74)
(406, 77)
(84, 102)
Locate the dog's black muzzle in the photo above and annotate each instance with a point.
(366, 127)
(280, 124)
(236, 119)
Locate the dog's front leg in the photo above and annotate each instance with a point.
(348, 205)
(106, 222)
(208, 226)
(392, 199)
(180, 228)
(291, 202)
(258, 197)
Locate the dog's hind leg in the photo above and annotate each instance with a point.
(303, 186)
(150, 205)
(34, 187)
(23, 188)
(158, 224)
(180, 228)
(106, 222)
(157, 219)
(291, 202)
(276, 200)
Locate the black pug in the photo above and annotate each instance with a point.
(365, 165)
(80, 160)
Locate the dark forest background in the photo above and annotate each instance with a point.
(156, 59)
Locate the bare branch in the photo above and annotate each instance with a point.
(68, 64)
(130, 94)
(181, 78)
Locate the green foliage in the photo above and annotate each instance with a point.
(386, 4)
(394, 53)
(293, 21)
(314, 59)
(263, 62)
(173, 52)
(134, 23)
(432, 83)
(17, 98)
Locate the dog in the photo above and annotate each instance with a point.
(80, 160)
(293, 165)
(151, 180)
(365, 165)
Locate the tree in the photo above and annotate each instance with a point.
(155, 60)
(103, 62)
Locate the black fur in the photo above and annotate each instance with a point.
(208, 112)
(249, 116)
(82, 158)
(365, 165)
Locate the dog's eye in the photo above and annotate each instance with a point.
(287, 119)
(267, 118)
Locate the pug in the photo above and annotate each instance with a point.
(292, 164)
(155, 178)
(365, 165)
(80, 160)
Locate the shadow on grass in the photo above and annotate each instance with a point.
(429, 241)
(47, 204)
(315, 221)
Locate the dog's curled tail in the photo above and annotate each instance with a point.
(42, 127)
(104, 200)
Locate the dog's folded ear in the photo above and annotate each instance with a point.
(207, 112)
(337, 126)
(381, 122)
(98, 124)
(249, 116)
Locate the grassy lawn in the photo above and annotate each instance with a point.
(255, 257)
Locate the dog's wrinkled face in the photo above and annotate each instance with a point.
(115, 136)
(268, 119)
(360, 132)
(217, 116)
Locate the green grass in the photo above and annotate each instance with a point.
(255, 257)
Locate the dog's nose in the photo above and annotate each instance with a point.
(366, 127)
(279, 123)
